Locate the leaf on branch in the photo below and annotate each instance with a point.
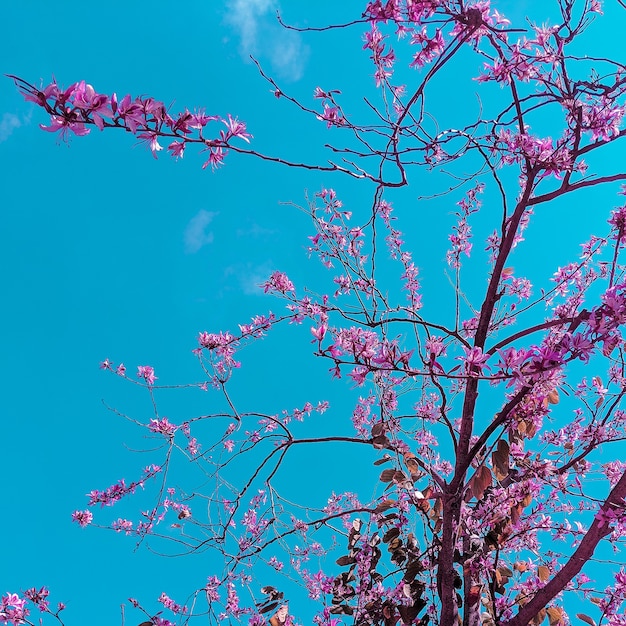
(380, 442)
(480, 481)
(543, 572)
(387, 475)
(413, 568)
(385, 505)
(586, 619)
(500, 460)
(280, 617)
(555, 616)
(342, 561)
(553, 396)
(378, 429)
(502, 576)
(385, 459)
(268, 608)
(146, 624)
(340, 609)
(392, 533)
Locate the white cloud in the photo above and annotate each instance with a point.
(254, 231)
(249, 277)
(245, 15)
(8, 124)
(289, 55)
(261, 36)
(196, 234)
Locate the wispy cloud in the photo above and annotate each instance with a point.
(261, 36)
(255, 231)
(245, 16)
(249, 276)
(8, 123)
(196, 234)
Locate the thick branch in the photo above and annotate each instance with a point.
(598, 530)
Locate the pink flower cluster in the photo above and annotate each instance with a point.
(13, 609)
(73, 109)
(114, 493)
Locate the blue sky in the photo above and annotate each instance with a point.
(106, 253)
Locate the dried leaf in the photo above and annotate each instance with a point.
(378, 429)
(412, 570)
(586, 619)
(392, 533)
(385, 459)
(543, 572)
(146, 624)
(553, 396)
(555, 616)
(380, 442)
(385, 505)
(342, 561)
(520, 566)
(280, 617)
(387, 475)
(500, 460)
(268, 608)
(480, 481)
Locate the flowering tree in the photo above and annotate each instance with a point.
(495, 419)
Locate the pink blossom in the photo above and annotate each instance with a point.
(83, 518)
(235, 129)
(278, 282)
(319, 332)
(162, 426)
(122, 525)
(474, 360)
(147, 373)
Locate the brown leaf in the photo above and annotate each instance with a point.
(378, 429)
(553, 396)
(385, 505)
(500, 460)
(385, 459)
(586, 619)
(387, 475)
(520, 566)
(555, 616)
(543, 572)
(392, 533)
(527, 500)
(146, 624)
(268, 608)
(480, 481)
(280, 617)
(380, 442)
